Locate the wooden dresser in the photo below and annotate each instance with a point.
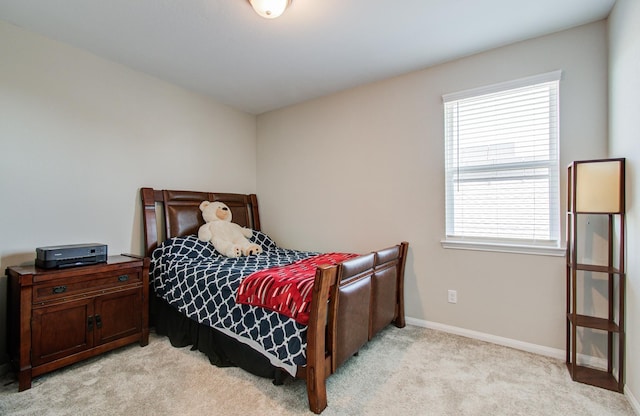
(58, 317)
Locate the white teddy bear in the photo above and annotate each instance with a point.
(227, 237)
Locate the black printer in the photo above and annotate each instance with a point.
(54, 257)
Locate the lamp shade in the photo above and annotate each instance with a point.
(599, 186)
(270, 9)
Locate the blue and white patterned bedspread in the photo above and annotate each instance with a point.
(200, 283)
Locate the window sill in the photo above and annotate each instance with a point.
(504, 248)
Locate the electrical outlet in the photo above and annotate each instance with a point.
(452, 296)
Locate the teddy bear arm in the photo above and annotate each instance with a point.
(204, 233)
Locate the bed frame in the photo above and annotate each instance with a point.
(365, 293)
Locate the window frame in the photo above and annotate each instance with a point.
(545, 247)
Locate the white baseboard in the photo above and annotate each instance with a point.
(507, 342)
(632, 400)
(586, 360)
(523, 346)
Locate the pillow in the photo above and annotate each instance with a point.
(189, 246)
(263, 240)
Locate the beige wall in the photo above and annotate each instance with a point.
(364, 168)
(624, 136)
(80, 135)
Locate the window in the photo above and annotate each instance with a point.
(502, 183)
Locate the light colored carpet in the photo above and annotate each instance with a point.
(409, 371)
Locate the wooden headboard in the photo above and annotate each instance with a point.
(180, 213)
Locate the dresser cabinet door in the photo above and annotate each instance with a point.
(118, 315)
(61, 330)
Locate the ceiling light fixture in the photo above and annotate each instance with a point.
(270, 9)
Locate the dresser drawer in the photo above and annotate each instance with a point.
(90, 283)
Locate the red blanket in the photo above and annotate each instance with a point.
(286, 289)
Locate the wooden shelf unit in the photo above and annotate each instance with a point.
(611, 378)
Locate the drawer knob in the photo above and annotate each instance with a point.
(123, 278)
(59, 289)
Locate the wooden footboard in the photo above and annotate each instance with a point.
(365, 294)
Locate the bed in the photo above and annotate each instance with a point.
(350, 300)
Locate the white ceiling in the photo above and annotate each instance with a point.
(223, 49)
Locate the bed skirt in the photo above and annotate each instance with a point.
(222, 350)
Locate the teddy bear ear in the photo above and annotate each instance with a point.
(204, 204)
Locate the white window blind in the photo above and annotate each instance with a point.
(502, 173)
